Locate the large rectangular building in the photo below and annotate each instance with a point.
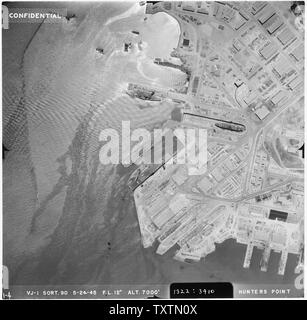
(266, 16)
(278, 215)
(268, 51)
(298, 52)
(257, 7)
(273, 24)
(286, 36)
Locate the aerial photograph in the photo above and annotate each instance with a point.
(152, 143)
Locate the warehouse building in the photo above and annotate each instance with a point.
(278, 215)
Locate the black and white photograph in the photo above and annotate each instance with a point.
(153, 150)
